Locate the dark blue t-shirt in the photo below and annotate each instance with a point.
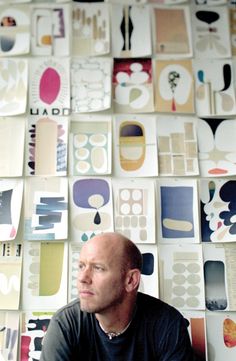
(157, 332)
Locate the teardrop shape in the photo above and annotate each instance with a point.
(32, 151)
(84, 237)
(49, 87)
(97, 218)
(31, 165)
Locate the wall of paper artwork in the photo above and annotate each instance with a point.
(118, 115)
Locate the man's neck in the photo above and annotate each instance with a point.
(116, 320)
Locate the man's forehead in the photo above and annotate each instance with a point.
(102, 251)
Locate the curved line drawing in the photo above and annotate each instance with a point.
(9, 284)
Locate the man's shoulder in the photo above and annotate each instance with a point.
(70, 308)
(72, 312)
(157, 314)
(155, 305)
(154, 301)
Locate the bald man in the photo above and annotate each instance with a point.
(111, 320)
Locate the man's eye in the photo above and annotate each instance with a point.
(98, 268)
(81, 267)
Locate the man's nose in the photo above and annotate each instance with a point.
(84, 275)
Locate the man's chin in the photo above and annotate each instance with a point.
(87, 310)
(85, 307)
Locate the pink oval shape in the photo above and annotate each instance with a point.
(217, 171)
(49, 87)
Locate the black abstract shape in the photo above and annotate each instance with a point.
(123, 27)
(208, 17)
(97, 218)
(227, 194)
(148, 264)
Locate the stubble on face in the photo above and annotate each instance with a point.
(104, 301)
(104, 290)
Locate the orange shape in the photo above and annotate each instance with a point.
(229, 333)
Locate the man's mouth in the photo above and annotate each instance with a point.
(85, 293)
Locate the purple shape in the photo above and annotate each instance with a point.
(83, 189)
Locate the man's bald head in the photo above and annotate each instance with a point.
(121, 246)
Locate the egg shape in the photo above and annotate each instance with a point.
(49, 87)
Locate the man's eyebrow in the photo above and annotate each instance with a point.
(93, 262)
(99, 262)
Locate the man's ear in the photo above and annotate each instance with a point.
(132, 279)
